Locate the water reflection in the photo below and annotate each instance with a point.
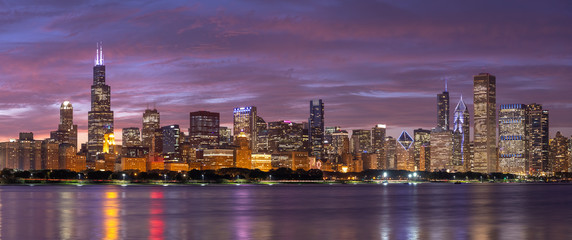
(111, 214)
(156, 222)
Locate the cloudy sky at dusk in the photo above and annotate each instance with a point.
(370, 61)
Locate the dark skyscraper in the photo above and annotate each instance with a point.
(100, 118)
(485, 126)
(131, 137)
(151, 123)
(538, 139)
(443, 109)
(316, 128)
(204, 129)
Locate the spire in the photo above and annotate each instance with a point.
(99, 54)
(461, 105)
(445, 84)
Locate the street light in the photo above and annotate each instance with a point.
(270, 177)
(203, 176)
(124, 177)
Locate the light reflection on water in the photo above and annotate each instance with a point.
(394, 211)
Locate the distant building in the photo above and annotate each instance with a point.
(361, 141)
(171, 142)
(538, 138)
(513, 141)
(204, 129)
(285, 136)
(245, 119)
(151, 123)
(67, 131)
(100, 118)
(262, 161)
(404, 152)
(242, 154)
(225, 138)
(316, 128)
(461, 136)
(441, 150)
(131, 137)
(390, 153)
(559, 155)
(378, 144)
(422, 138)
(443, 110)
(484, 103)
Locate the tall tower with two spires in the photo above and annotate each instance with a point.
(100, 118)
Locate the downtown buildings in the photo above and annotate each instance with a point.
(521, 147)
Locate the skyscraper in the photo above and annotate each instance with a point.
(484, 103)
(513, 142)
(151, 123)
(461, 137)
(316, 128)
(422, 138)
(378, 144)
(100, 118)
(405, 152)
(559, 155)
(245, 121)
(204, 129)
(538, 139)
(443, 109)
(67, 131)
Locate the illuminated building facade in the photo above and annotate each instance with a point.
(513, 142)
(378, 144)
(67, 131)
(559, 156)
(151, 123)
(316, 129)
(204, 129)
(225, 138)
(171, 142)
(245, 119)
(50, 154)
(292, 160)
(134, 163)
(285, 136)
(361, 141)
(242, 154)
(215, 159)
(484, 103)
(404, 152)
(262, 161)
(130, 137)
(100, 118)
(421, 138)
(441, 150)
(461, 136)
(390, 152)
(538, 138)
(443, 110)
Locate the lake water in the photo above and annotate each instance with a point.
(367, 211)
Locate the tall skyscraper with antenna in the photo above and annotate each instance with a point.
(100, 118)
(461, 137)
(443, 109)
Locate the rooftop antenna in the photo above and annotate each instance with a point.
(445, 84)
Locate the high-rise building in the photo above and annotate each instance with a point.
(67, 131)
(225, 138)
(100, 118)
(513, 142)
(538, 139)
(261, 135)
(378, 144)
(245, 121)
(405, 153)
(390, 152)
(130, 137)
(443, 110)
(559, 155)
(204, 129)
(361, 141)
(484, 103)
(316, 128)
(461, 136)
(242, 154)
(421, 138)
(285, 136)
(171, 140)
(441, 150)
(151, 123)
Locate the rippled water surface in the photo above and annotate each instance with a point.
(368, 211)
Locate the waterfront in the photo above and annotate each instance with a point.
(316, 211)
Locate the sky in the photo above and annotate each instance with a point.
(372, 62)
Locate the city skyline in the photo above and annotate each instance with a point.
(370, 68)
